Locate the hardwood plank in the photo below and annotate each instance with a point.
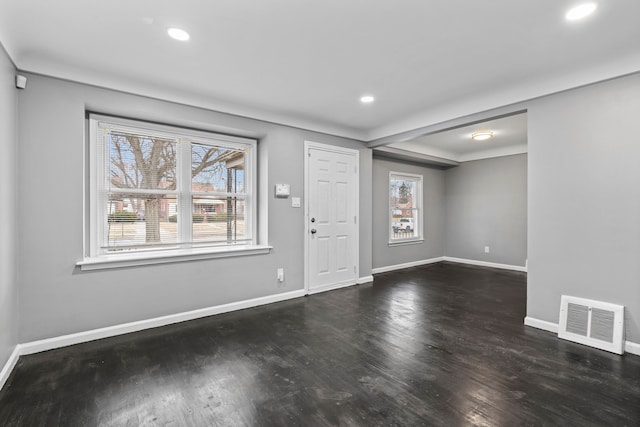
(442, 344)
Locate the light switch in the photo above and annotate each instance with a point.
(282, 190)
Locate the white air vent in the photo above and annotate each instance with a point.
(594, 323)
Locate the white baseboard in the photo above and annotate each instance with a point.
(331, 287)
(406, 265)
(366, 279)
(629, 347)
(450, 259)
(8, 367)
(485, 264)
(541, 324)
(95, 334)
(632, 348)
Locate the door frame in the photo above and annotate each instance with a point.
(342, 150)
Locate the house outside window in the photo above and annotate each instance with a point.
(405, 208)
(156, 189)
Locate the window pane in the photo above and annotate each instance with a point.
(218, 219)
(217, 169)
(402, 193)
(135, 221)
(140, 204)
(403, 223)
(139, 161)
(404, 204)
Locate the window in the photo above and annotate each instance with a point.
(405, 207)
(158, 191)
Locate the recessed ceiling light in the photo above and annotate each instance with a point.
(482, 135)
(580, 11)
(367, 99)
(178, 34)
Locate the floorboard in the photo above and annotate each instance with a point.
(442, 344)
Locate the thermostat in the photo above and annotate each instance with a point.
(282, 190)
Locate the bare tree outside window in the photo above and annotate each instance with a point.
(168, 190)
(144, 162)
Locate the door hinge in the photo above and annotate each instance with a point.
(355, 219)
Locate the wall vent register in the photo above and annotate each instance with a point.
(594, 323)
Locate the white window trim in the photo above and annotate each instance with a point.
(162, 257)
(94, 260)
(414, 239)
(408, 241)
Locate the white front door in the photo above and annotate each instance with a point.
(332, 217)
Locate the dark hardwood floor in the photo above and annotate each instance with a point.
(442, 344)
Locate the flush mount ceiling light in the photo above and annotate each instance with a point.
(580, 11)
(367, 99)
(481, 135)
(178, 34)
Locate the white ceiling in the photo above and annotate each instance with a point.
(509, 137)
(306, 63)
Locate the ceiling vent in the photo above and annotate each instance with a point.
(594, 323)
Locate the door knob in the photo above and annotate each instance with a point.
(313, 220)
(314, 231)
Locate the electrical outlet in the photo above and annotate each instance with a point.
(486, 249)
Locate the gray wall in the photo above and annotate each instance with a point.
(584, 199)
(433, 206)
(583, 210)
(56, 298)
(8, 147)
(486, 205)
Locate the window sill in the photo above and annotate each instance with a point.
(149, 258)
(406, 242)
